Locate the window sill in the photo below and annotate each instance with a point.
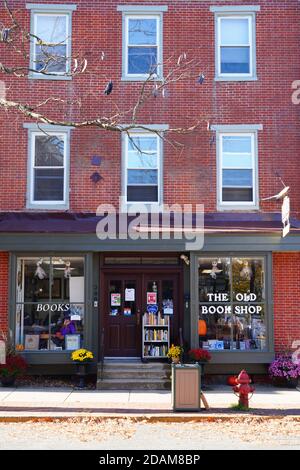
(49, 77)
(246, 208)
(56, 207)
(243, 357)
(232, 78)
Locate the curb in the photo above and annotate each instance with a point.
(148, 418)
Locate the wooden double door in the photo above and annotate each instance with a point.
(125, 301)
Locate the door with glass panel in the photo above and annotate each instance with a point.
(122, 315)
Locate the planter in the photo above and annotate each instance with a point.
(81, 373)
(283, 382)
(175, 360)
(8, 381)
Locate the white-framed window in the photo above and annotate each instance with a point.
(48, 170)
(52, 55)
(142, 168)
(50, 51)
(236, 46)
(142, 48)
(237, 170)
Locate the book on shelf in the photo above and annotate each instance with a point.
(155, 319)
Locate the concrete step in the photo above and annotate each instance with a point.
(135, 365)
(139, 373)
(133, 384)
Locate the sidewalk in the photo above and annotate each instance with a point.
(25, 402)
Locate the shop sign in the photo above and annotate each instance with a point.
(115, 300)
(152, 308)
(151, 298)
(285, 213)
(2, 352)
(226, 309)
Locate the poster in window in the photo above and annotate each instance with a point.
(151, 298)
(115, 300)
(32, 342)
(129, 295)
(72, 342)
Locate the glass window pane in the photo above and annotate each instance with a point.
(53, 290)
(235, 60)
(237, 195)
(142, 31)
(52, 28)
(142, 176)
(236, 161)
(49, 185)
(51, 58)
(141, 160)
(142, 193)
(142, 60)
(233, 178)
(214, 279)
(248, 279)
(234, 31)
(49, 150)
(143, 144)
(236, 144)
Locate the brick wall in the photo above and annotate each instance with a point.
(3, 290)
(189, 172)
(286, 272)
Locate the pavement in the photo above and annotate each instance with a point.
(23, 403)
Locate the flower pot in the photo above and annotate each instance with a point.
(81, 373)
(8, 381)
(175, 360)
(284, 382)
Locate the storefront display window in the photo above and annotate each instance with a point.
(50, 304)
(232, 309)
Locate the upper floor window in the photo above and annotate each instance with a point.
(50, 55)
(51, 43)
(237, 169)
(235, 45)
(235, 42)
(142, 41)
(142, 55)
(142, 168)
(48, 169)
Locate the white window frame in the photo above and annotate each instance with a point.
(137, 76)
(235, 13)
(51, 10)
(66, 42)
(237, 205)
(43, 130)
(158, 168)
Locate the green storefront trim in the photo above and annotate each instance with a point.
(90, 247)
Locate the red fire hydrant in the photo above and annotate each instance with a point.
(243, 389)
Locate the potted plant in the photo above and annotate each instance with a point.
(284, 371)
(175, 353)
(81, 357)
(15, 365)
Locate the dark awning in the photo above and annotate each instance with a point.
(85, 223)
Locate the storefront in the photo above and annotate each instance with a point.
(233, 298)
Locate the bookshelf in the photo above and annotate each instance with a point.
(155, 336)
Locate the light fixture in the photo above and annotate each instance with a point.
(185, 259)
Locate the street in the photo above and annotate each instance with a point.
(124, 433)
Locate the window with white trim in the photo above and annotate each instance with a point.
(142, 49)
(48, 168)
(51, 47)
(235, 46)
(142, 168)
(237, 169)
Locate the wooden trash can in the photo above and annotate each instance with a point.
(186, 387)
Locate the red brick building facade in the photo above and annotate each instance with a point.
(254, 104)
